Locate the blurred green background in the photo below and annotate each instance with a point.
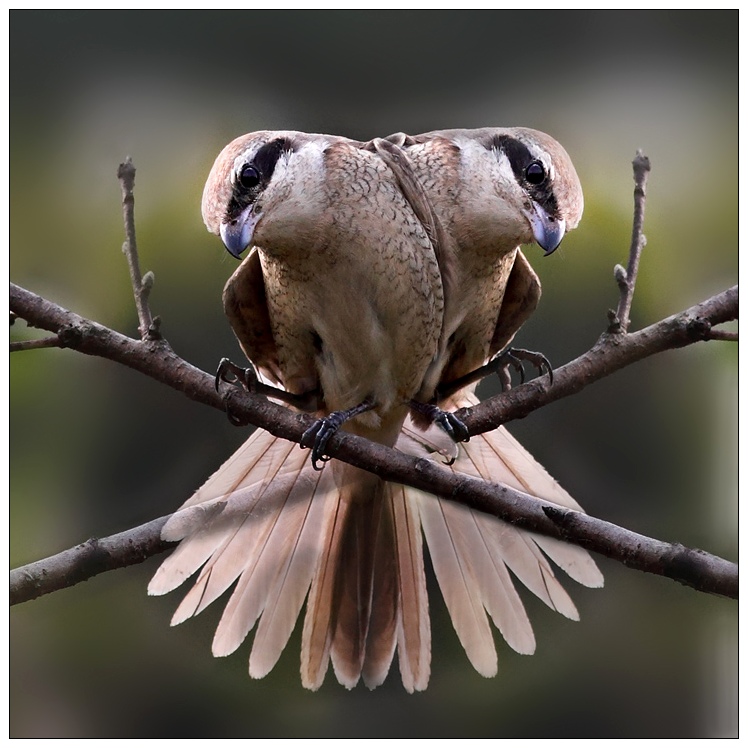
(96, 448)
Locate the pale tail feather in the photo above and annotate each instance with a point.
(282, 529)
(471, 550)
(318, 622)
(370, 594)
(258, 554)
(292, 583)
(238, 520)
(413, 625)
(458, 583)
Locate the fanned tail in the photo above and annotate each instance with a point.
(472, 552)
(271, 523)
(351, 545)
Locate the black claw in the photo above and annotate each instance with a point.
(321, 431)
(448, 421)
(453, 426)
(235, 376)
(319, 434)
(514, 357)
(230, 373)
(500, 364)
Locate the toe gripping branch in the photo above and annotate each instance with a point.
(500, 364)
(454, 427)
(321, 431)
(514, 358)
(247, 379)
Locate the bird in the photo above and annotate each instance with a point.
(493, 190)
(348, 543)
(351, 312)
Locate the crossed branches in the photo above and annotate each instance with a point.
(615, 349)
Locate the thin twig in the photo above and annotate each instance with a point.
(626, 278)
(723, 335)
(53, 341)
(141, 285)
(610, 354)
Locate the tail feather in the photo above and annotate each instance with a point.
(292, 584)
(259, 458)
(319, 621)
(458, 582)
(413, 625)
(497, 457)
(352, 546)
(472, 551)
(366, 593)
(356, 573)
(243, 538)
(258, 555)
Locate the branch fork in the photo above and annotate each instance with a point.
(615, 349)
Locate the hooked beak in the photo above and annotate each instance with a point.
(237, 234)
(548, 231)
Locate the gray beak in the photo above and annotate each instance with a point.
(548, 231)
(237, 234)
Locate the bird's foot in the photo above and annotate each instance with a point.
(514, 358)
(448, 421)
(322, 430)
(231, 373)
(248, 380)
(236, 376)
(500, 365)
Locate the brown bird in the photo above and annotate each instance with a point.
(493, 189)
(353, 543)
(342, 299)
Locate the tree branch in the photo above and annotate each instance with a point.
(611, 353)
(86, 560)
(141, 285)
(614, 350)
(626, 277)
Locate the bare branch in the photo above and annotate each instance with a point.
(141, 285)
(694, 568)
(86, 560)
(53, 341)
(723, 335)
(611, 353)
(626, 278)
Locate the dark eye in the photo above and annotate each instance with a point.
(535, 173)
(249, 177)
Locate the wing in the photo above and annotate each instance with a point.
(520, 300)
(245, 305)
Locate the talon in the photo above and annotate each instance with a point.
(453, 426)
(321, 431)
(319, 434)
(514, 357)
(230, 373)
(448, 421)
(235, 376)
(234, 419)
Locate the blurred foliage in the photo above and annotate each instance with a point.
(96, 448)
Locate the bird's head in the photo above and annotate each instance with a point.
(252, 177)
(537, 177)
(512, 185)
